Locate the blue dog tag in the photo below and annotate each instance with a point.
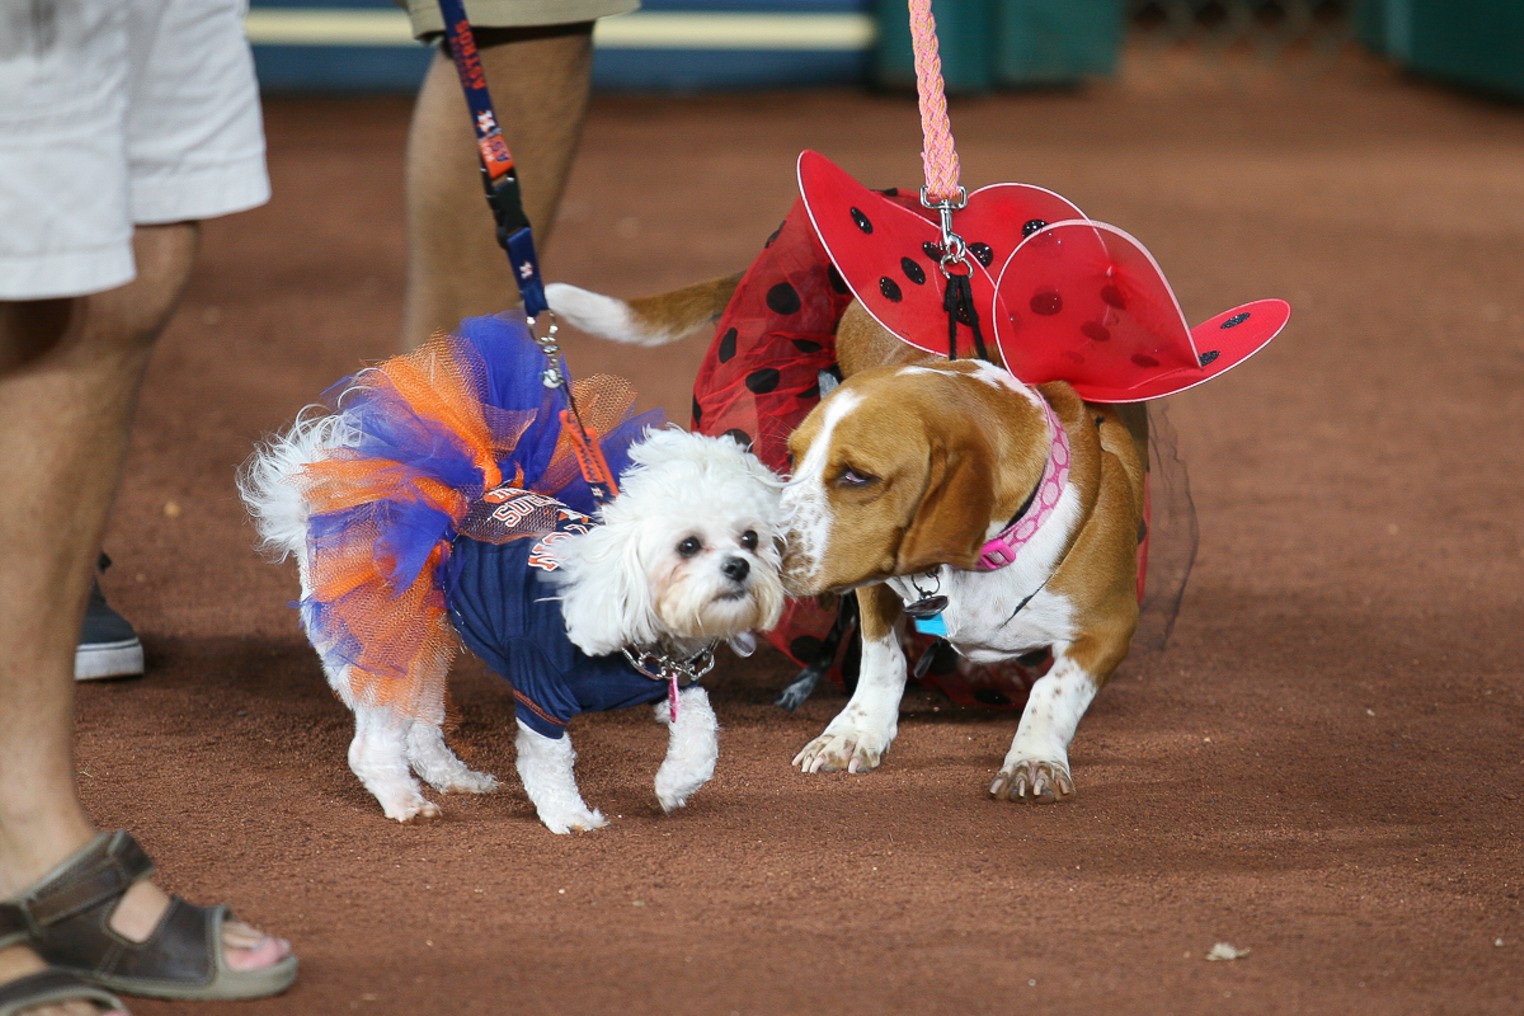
(933, 625)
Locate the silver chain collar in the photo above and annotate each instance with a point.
(658, 666)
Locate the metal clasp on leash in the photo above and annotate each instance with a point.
(954, 250)
(551, 376)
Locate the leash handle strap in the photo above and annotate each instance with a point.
(499, 177)
(938, 156)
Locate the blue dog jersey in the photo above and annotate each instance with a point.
(507, 612)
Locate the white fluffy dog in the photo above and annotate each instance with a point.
(686, 555)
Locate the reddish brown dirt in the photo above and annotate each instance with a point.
(1324, 768)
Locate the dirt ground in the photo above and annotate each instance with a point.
(1324, 769)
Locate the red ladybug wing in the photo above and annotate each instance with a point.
(889, 253)
(1089, 305)
(1224, 341)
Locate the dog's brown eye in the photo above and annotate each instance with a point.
(749, 540)
(852, 478)
(690, 546)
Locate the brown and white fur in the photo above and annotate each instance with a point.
(900, 476)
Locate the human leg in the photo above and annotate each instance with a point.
(539, 78)
(70, 370)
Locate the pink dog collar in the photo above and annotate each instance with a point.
(1002, 550)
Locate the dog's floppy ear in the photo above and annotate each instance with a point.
(606, 591)
(949, 524)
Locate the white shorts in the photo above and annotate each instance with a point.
(117, 113)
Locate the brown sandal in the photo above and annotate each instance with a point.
(47, 986)
(69, 914)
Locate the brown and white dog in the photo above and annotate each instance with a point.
(902, 478)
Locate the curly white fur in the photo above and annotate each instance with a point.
(626, 584)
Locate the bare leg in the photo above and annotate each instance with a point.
(70, 371)
(539, 79)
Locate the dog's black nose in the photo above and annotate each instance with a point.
(735, 568)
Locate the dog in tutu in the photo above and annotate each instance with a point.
(436, 501)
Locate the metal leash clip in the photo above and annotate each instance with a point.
(551, 377)
(954, 251)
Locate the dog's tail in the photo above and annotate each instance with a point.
(270, 481)
(645, 321)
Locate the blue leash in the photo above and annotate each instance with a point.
(499, 176)
(501, 182)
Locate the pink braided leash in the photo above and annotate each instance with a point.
(938, 156)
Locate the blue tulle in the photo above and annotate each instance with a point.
(503, 365)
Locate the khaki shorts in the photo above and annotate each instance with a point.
(113, 114)
(516, 13)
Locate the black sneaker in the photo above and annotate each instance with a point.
(108, 647)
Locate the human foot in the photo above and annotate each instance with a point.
(20, 967)
(243, 947)
(84, 909)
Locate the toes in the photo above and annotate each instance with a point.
(583, 823)
(425, 811)
(836, 753)
(471, 783)
(268, 952)
(1030, 780)
(1064, 785)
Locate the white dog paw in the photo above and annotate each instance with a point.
(411, 810)
(1041, 781)
(852, 750)
(674, 789)
(671, 801)
(574, 821)
(467, 781)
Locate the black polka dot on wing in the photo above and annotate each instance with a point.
(932, 250)
(1031, 226)
(810, 394)
(1208, 357)
(1235, 320)
(783, 299)
(698, 413)
(862, 221)
(727, 346)
(1144, 360)
(982, 253)
(890, 289)
(763, 380)
(914, 272)
(1046, 302)
(1112, 297)
(837, 282)
(806, 346)
(1095, 331)
(739, 436)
